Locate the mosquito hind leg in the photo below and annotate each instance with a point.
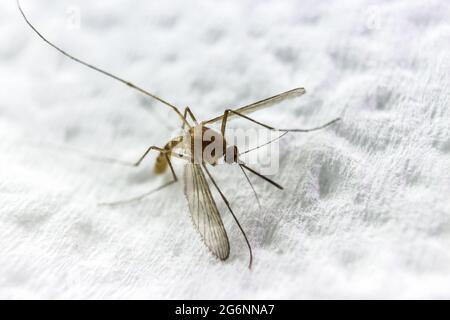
(228, 111)
(144, 195)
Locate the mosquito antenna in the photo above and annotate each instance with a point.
(265, 144)
(106, 73)
(251, 185)
(232, 213)
(310, 129)
(261, 175)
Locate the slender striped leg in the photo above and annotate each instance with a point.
(97, 69)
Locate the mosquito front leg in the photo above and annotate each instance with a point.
(228, 111)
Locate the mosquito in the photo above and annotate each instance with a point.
(199, 147)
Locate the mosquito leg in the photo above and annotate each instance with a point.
(232, 213)
(162, 150)
(142, 196)
(228, 111)
(104, 72)
(186, 111)
(95, 157)
(131, 164)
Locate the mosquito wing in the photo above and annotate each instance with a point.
(204, 213)
(258, 105)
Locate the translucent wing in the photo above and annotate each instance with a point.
(204, 213)
(258, 105)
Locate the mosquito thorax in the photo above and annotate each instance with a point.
(207, 145)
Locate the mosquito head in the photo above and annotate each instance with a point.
(231, 154)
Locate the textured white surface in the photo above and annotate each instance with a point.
(366, 208)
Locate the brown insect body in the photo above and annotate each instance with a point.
(202, 145)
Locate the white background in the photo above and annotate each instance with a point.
(365, 210)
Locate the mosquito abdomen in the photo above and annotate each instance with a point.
(161, 164)
(161, 161)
